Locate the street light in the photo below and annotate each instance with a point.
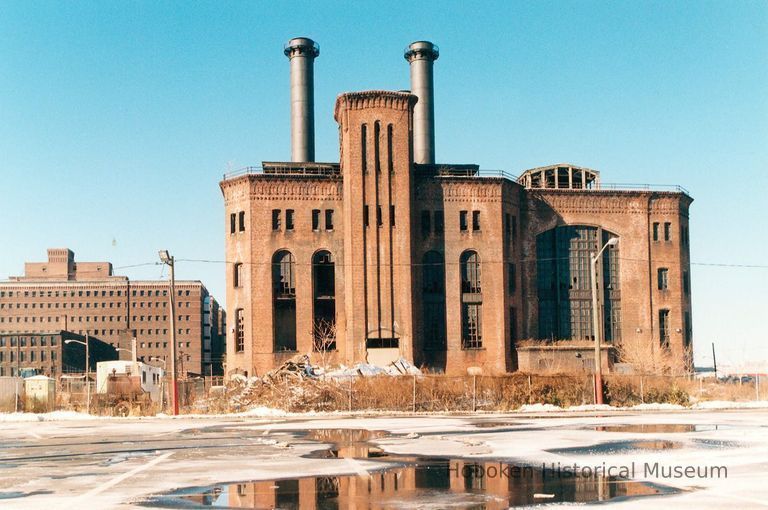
(87, 369)
(168, 260)
(155, 358)
(596, 320)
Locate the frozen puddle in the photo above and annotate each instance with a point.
(661, 428)
(411, 481)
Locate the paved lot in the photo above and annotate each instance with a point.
(124, 463)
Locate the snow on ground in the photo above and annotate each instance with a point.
(109, 462)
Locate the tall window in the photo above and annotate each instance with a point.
(275, 219)
(329, 219)
(688, 329)
(439, 222)
(315, 219)
(663, 278)
(512, 277)
(237, 274)
(475, 220)
(284, 300)
(655, 231)
(241, 216)
(324, 305)
(667, 231)
(239, 331)
(426, 223)
(686, 283)
(564, 283)
(232, 223)
(433, 299)
(664, 328)
(463, 221)
(289, 219)
(471, 301)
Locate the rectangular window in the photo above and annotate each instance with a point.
(329, 219)
(514, 228)
(686, 283)
(289, 219)
(688, 330)
(241, 217)
(512, 278)
(508, 224)
(365, 215)
(463, 221)
(439, 222)
(239, 331)
(426, 223)
(391, 215)
(664, 328)
(475, 220)
(275, 219)
(378, 216)
(663, 277)
(238, 274)
(667, 231)
(232, 223)
(315, 219)
(472, 337)
(655, 231)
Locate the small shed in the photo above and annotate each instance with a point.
(39, 394)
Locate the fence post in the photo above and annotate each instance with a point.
(757, 386)
(349, 407)
(642, 393)
(530, 389)
(413, 402)
(474, 393)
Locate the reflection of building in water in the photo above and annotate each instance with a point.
(426, 481)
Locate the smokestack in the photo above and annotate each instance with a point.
(421, 55)
(302, 51)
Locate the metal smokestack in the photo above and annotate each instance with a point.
(302, 51)
(421, 55)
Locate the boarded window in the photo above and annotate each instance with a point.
(663, 278)
(275, 219)
(664, 328)
(284, 301)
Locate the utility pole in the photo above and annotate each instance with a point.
(714, 359)
(87, 374)
(167, 259)
(596, 315)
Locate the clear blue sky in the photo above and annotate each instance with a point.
(117, 119)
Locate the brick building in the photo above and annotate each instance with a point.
(447, 265)
(49, 353)
(87, 298)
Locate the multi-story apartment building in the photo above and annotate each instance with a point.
(87, 298)
(387, 253)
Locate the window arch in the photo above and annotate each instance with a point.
(324, 301)
(471, 301)
(433, 301)
(284, 300)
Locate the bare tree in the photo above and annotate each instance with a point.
(324, 340)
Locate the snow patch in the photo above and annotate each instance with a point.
(724, 404)
(52, 416)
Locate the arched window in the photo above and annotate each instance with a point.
(433, 299)
(471, 301)
(284, 300)
(324, 301)
(470, 273)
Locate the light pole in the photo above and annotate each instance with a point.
(118, 349)
(87, 370)
(167, 259)
(597, 330)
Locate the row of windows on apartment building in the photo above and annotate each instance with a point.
(159, 345)
(664, 230)
(32, 341)
(93, 318)
(290, 219)
(663, 280)
(665, 329)
(86, 293)
(157, 304)
(24, 356)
